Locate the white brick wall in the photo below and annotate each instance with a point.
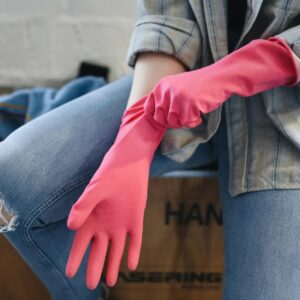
(43, 42)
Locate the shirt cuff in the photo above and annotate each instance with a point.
(176, 36)
(292, 40)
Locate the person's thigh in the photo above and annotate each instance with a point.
(45, 166)
(261, 239)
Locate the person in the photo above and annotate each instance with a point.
(50, 174)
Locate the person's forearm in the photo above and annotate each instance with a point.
(150, 67)
(180, 100)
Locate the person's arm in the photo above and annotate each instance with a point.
(180, 100)
(150, 67)
(165, 40)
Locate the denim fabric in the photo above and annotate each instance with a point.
(25, 104)
(263, 130)
(261, 237)
(46, 164)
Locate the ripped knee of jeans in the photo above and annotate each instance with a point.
(8, 217)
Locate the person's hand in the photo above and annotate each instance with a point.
(179, 100)
(112, 205)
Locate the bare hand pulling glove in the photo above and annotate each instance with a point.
(113, 203)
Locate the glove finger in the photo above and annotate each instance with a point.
(173, 120)
(96, 261)
(79, 246)
(83, 207)
(192, 124)
(191, 117)
(160, 116)
(149, 104)
(134, 249)
(115, 256)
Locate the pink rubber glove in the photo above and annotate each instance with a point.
(178, 100)
(112, 205)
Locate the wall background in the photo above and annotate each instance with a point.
(43, 42)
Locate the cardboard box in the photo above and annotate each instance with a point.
(182, 251)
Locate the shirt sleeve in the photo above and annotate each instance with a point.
(292, 38)
(166, 26)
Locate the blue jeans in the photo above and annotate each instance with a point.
(46, 164)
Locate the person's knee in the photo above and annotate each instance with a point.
(36, 184)
(10, 178)
(8, 216)
(20, 183)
